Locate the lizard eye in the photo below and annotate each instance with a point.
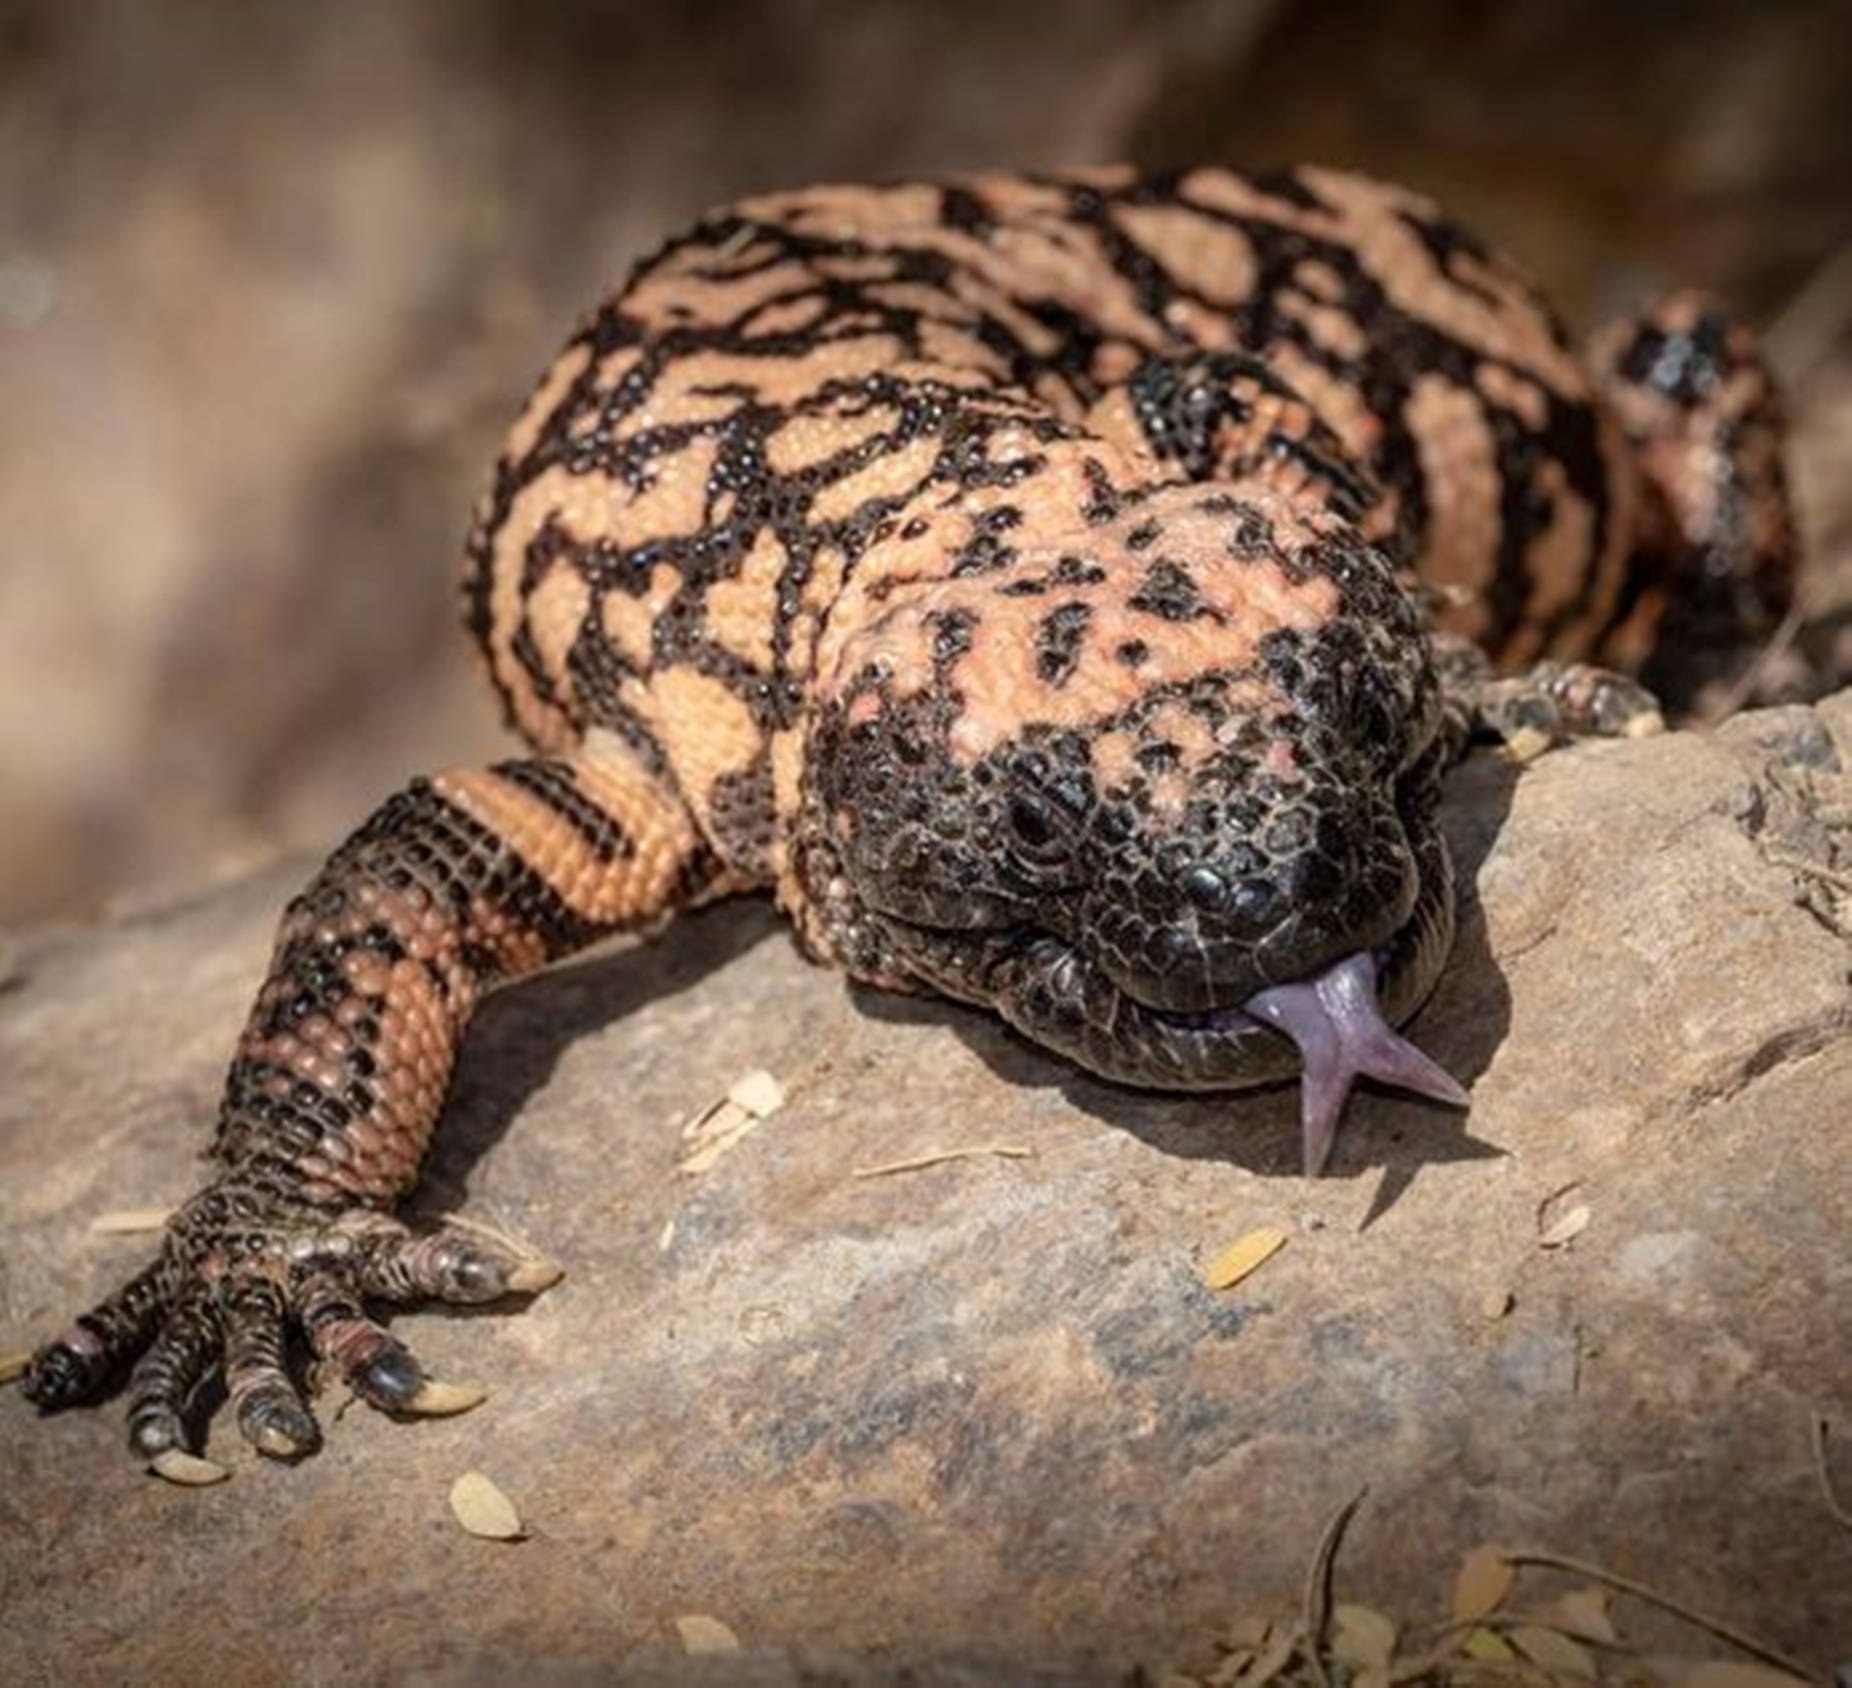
(1032, 826)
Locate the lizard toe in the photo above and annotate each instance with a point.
(165, 1377)
(379, 1368)
(78, 1364)
(272, 1415)
(450, 1264)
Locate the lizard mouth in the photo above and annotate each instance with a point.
(1332, 1026)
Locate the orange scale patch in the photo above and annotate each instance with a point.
(742, 610)
(1556, 559)
(1516, 393)
(1196, 323)
(1340, 405)
(679, 292)
(806, 441)
(800, 314)
(888, 476)
(556, 613)
(1332, 328)
(843, 210)
(1217, 258)
(629, 620)
(673, 502)
(1457, 450)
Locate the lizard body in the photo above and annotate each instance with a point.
(1062, 592)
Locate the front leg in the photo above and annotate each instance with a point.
(457, 884)
(1546, 705)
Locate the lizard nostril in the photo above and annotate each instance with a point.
(1206, 888)
(1253, 901)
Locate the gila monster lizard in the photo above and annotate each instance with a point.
(1065, 592)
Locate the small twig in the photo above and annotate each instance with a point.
(130, 1221)
(1640, 1591)
(1814, 870)
(1009, 1151)
(493, 1233)
(1743, 686)
(1318, 1584)
(1840, 1515)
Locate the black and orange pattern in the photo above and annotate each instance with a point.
(1065, 592)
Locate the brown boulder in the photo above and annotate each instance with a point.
(985, 1415)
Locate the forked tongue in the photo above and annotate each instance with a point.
(1342, 1034)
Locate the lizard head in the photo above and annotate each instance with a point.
(1164, 797)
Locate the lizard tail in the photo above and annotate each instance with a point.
(1715, 555)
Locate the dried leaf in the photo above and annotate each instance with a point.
(1362, 1636)
(757, 1092)
(711, 1136)
(1239, 1644)
(129, 1221)
(1243, 1255)
(1778, 1662)
(483, 1510)
(1565, 1227)
(1728, 1673)
(1585, 1610)
(715, 1120)
(1556, 1213)
(1249, 1633)
(702, 1634)
(1489, 1647)
(1484, 1580)
(1226, 1671)
(13, 1365)
(1554, 1651)
(1274, 1657)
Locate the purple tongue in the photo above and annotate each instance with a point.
(1341, 1034)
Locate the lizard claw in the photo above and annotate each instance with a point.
(234, 1277)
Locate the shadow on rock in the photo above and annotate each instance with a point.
(518, 1035)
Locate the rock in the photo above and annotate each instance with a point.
(985, 1416)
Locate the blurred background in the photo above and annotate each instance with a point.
(274, 277)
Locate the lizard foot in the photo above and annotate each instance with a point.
(1554, 702)
(1548, 704)
(238, 1270)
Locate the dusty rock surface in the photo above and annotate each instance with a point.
(985, 1415)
